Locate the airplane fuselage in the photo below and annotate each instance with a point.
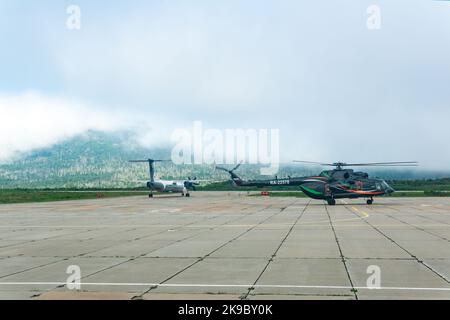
(167, 186)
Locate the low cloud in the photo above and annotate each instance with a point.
(31, 121)
(336, 90)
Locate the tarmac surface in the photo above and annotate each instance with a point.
(226, 245)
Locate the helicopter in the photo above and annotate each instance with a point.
(329, 185)
(180, 186)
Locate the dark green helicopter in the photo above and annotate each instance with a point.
(330, 185)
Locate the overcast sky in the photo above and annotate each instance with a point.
(334, 88)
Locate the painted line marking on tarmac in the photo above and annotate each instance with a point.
(358, 211)
(219, 285)
(364, 214)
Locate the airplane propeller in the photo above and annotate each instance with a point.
(191, 183)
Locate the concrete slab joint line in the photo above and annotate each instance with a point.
(276, 250)
(407, 251)
(224, 246)
(216, 249)
(341, 253)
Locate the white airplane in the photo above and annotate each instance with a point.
(168, 186)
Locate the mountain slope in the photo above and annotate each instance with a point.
(100, 160)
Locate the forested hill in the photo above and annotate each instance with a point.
(100, 160)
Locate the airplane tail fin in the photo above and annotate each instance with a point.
(151, 167)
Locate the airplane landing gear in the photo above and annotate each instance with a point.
(188, 195)
(150, 195)
(370, 201)
(331, 201)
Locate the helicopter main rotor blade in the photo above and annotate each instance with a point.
(313, 162)
(387, 164)
(379, 164)
(391, 165)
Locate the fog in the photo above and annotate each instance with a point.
(335, 89)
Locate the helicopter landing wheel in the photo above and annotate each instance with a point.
(369, 201)
(331, 202)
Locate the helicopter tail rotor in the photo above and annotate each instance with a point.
(234, 177)
(228, 170)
